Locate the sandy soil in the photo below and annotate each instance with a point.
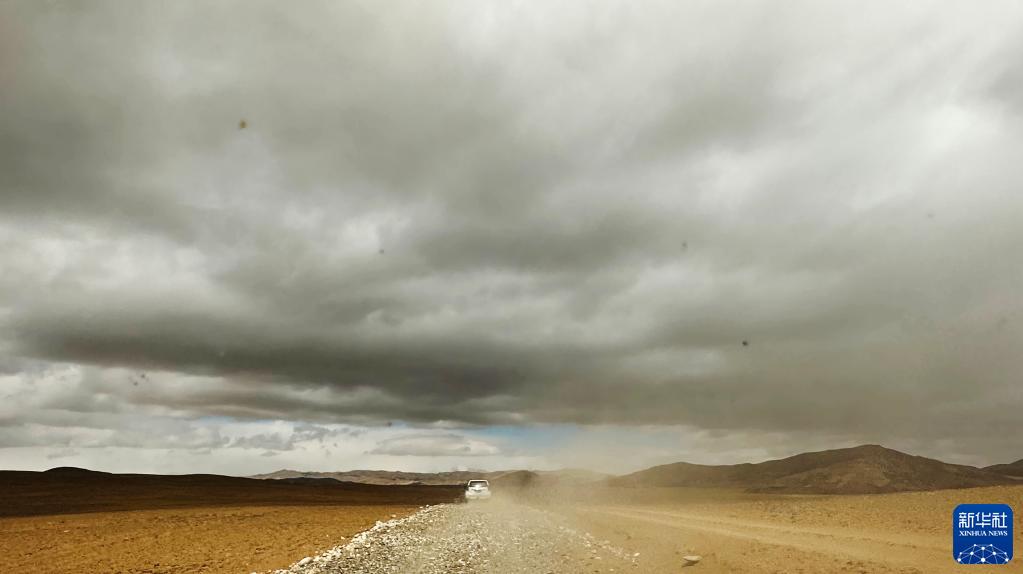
(198, 540)
(650, 530)
(735, 532)
(644, 530)
(79, 522)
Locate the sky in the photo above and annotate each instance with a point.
(243, 236)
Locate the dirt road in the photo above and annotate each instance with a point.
(573, 530)
(730, 545)
(736, 532)
(499, 537)
(889, 534)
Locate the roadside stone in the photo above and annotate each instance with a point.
(492, 538)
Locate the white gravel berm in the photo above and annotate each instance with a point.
(498, 538)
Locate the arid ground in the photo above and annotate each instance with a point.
(79, 522)
(739, 532)
(652, 530)
(220, 525)
(191, 540)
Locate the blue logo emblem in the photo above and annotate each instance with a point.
(982, 534)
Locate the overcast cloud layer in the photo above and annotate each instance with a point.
(256, 227)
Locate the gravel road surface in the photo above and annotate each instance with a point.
(481, 537)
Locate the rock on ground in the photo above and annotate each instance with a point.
(498, 537)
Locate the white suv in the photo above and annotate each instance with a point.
(477, 490)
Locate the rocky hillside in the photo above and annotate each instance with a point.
(1012, 469)
(858, 470)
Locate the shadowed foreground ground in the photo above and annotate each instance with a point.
(72, 491)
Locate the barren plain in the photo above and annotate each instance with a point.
(68, 522)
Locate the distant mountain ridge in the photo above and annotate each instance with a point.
(1012, 469)
(383, 476)
(388, 477)
(867, 469)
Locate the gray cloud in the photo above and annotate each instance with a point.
(300, 434)
(63, 453)
(434, 445)
(464, 214)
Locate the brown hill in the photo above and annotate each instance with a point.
(860, 470)
(1012, 469)
(75, 490)
(573, 476)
